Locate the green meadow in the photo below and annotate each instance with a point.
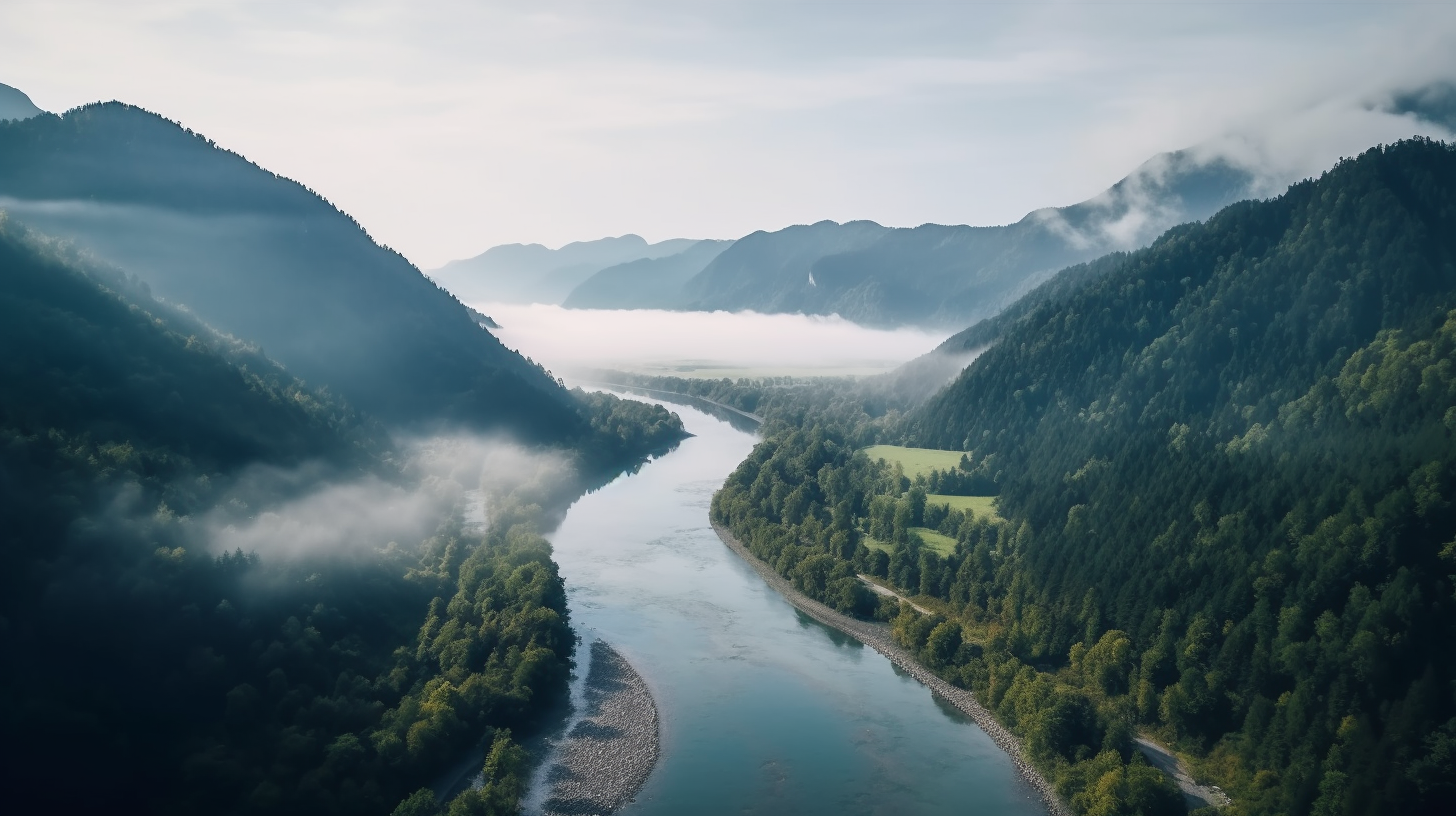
(915, 461)
(942, 544)
(982, 506)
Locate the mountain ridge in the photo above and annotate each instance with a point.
(265, 258)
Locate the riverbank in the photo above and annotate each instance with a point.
(877, 637)
(608, 755)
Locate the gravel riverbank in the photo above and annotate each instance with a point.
(608, 754)
(877, 637)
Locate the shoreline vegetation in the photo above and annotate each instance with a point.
(877, 637)
(607, 756)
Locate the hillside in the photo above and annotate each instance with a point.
(1224, 465)
(771, 271)
(265, 259)
(950, 276)
(133, 440)
(532, 273)
(646, 283)
(14, 104)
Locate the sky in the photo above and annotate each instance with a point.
(448, 127)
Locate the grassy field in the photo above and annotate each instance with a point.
(943, 544)
(915, 461)
(983, 506)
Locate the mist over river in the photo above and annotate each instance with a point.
(763, 710)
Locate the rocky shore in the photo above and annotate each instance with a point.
(877, 637)
(606, 757)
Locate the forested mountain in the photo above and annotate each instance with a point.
(953, 275)
(646, 283)
(769, 271)
(14, 104)
(265, 259)
(1225, 467)
(316, 678)
(917, 380)
(531, 273)
(209, 684)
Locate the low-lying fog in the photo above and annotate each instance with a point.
(702, 344)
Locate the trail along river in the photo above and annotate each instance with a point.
(763, 710)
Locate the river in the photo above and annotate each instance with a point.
(763, 710)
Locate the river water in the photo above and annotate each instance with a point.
(763, 710)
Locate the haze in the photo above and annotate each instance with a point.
(712, 344)
(449, 127)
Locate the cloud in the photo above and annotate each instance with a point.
(308, 512)
(567, 340)
(447, 127)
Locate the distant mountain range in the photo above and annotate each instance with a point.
(531, 273)
(645, 283)
(931, 275)
(267, 260)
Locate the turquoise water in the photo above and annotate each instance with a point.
(763, 710)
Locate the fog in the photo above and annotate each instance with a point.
(703, 344)
(302, 512)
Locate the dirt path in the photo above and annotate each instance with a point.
(1194, 794)
(881, 589)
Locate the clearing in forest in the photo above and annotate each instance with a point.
(943, 544)
(982, 506)
(915, 461)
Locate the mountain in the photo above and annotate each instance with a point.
(14, 104)
(949, 276)
(771, 271)
(646, 283)
(1225, 465)
(132, 439)
(264, 258)
(1238, 449)
(531, 273)
(917, 380)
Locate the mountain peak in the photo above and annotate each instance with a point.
(14, 104)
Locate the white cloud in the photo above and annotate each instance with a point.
(568, 340)
(446, 127)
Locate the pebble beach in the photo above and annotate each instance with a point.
(608, 754)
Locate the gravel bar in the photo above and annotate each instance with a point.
(609, 753)
(877, 637)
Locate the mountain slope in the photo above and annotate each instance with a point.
(14, 104)
(133, 441)
(264, 258)
(646, 283)
(953, 275)
(772, 271)
(1236, 450)
(531, 273)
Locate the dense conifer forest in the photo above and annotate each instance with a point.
(1225, 466)
(173, 678)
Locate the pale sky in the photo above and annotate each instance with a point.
(449, 127)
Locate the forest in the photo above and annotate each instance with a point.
(1224, 467)
(175, 677)
(266, 259)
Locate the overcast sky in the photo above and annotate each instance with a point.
(449, 127)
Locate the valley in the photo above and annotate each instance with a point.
(1009, 410)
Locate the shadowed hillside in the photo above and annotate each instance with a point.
(264, 258)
